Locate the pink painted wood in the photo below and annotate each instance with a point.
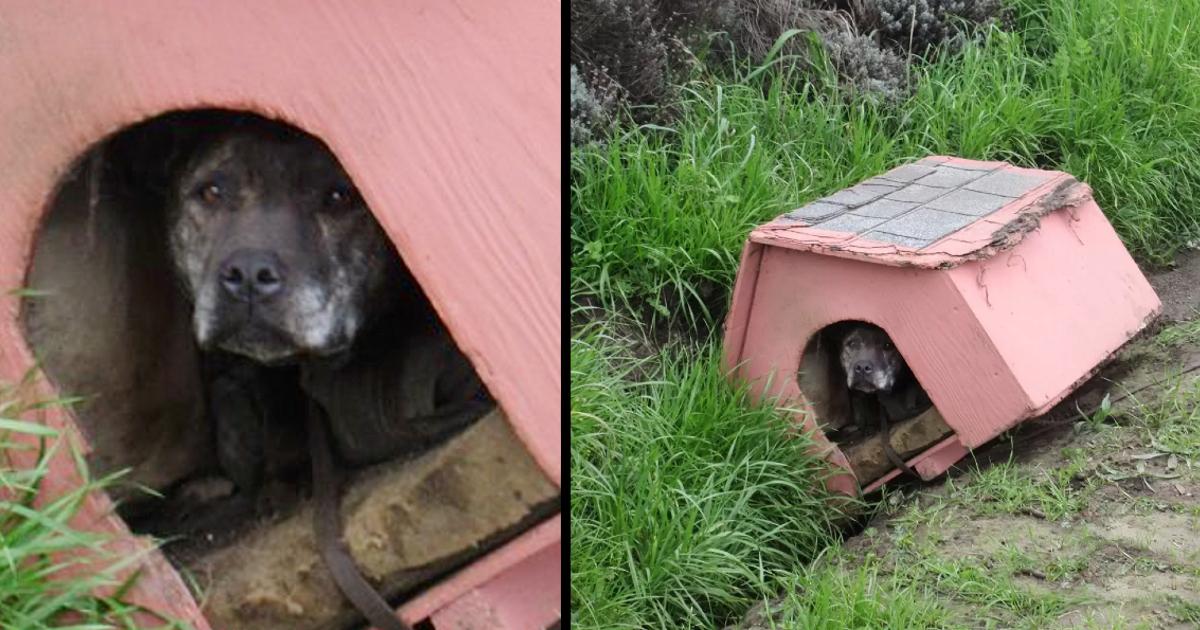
(531, 563)
(446, 114)
(994, 336)
(526, 596)
(933, 462)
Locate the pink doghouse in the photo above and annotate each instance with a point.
(1004, 288)
(446, 115)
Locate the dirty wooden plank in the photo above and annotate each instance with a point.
(868, 459)
(405, 523)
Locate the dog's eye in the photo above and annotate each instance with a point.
(887, 345)
(210, 192)
(339, 197)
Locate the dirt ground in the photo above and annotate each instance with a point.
(1068, 522)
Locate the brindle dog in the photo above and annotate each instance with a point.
(296, 288)
(882, 388)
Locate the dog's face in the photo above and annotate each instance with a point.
(871, 362)
(277, 251)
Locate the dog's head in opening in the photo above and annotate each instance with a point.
(278, 252)
(870, 360)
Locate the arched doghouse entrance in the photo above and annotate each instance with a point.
(854, 421)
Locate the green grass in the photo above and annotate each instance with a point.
(38, 542)
(687, 502)
(989, 593)
(834, 595)
(1008, 488)
(915, 588)
(1186, 332)
(1186, 611)
(976, 590)
(1107, 90)
(1170, 422)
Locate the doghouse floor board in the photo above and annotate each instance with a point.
(405, 522)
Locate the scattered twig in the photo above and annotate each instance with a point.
(1036, 573)
(1034, 512)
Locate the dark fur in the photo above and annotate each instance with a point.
(272, 190)
(882, 388)
(281, 194)
(290, 276)
(870, 360)
(878, 378)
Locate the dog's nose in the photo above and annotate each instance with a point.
(252, 273)
(862, 367)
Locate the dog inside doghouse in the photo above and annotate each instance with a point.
(866, 399)
(246, 342)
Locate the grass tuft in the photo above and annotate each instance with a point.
(835, 596)
(687, 501)
(1008, 488)
(1170, 422)
(38, 543)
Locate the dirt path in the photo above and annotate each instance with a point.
(1068, 522)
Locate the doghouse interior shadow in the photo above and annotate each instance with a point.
(108, 322)
(848, 417)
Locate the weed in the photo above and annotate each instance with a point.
(990, 593)
(1170, 423)
(834, 595)
(1182, 333)
(1185, 612)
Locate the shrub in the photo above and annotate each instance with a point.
(920, 26)
(634, 52)
(590, 114)
(620, 39)
(863, 68)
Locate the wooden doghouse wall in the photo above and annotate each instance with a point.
(1051, 331)
(446, 115)
(993, 341)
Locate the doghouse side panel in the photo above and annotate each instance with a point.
(1060, 302)
(742, 303)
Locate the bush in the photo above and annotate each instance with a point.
(634, 52)
(590, 114)
(863, 68)
(750, 28)
(920, 26)
(622, 39)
